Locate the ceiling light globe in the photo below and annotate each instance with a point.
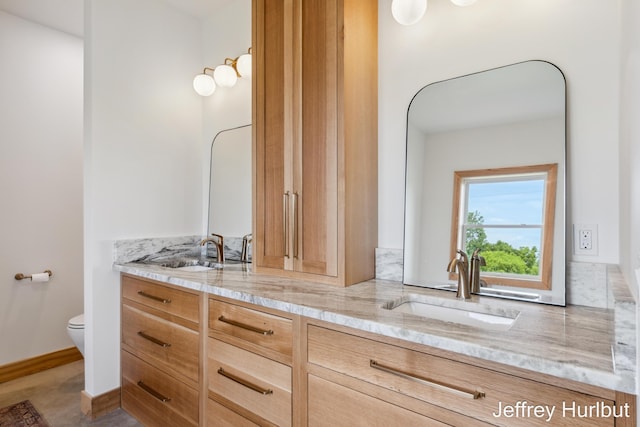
(463, 3)
(408, 12)
(204, 85)
(225, 76)
(244, 65)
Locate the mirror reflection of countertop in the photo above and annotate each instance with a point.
(591, 345)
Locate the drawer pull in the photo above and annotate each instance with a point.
(153, 393)
(474, 394)
(245, 383)
(245, 326)
(153, 297)
(154, 340)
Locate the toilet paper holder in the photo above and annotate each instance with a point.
(20, 276)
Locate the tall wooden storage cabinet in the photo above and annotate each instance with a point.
(315, 118)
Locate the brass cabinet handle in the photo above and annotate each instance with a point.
(263, 391)
(154, 340)
(153, 297)
(153, 393)
(285, 222)
(295, 225)
(245, 326)
(474, 394)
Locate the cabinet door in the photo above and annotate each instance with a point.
(250, 381)
(334, 405)
(272, 116)
(155, 398)
(296, 120)
(221, 416)
(451, 384)
(315, 115)
(315, 250)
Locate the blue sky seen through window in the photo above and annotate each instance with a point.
(514, 202)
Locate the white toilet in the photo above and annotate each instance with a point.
(75, 329)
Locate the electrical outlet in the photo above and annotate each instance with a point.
(585, 239)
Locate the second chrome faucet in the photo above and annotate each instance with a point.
(468, 273)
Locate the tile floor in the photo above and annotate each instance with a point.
(55, 393)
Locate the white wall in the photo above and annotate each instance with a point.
(225, 34)
(143, 171)
(581, 37)
(40, 186)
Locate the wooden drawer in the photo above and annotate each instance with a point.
(414, 374)
(334, 405)
(166, 299)
(158, 340)
(221, 416)
(155, 398)
(261, 385)
(253, 326)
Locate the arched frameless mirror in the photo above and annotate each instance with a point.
(485, 173)
(230, 188)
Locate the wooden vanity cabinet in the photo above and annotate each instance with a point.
(376, 379)
(160, 352)
(315, 139)
(249, 365)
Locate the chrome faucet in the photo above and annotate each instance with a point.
(219, 242)
(462, 267)
(469, 281)
(474, 273)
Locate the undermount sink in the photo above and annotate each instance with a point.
(492, 292)
(190, 264)
(195, 268)
(195, 264)
(461, 312)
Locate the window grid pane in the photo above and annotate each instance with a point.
(503, 216)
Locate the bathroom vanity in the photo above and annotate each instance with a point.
(259, 350)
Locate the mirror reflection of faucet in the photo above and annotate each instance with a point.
(217, 240)
(247, 239)
(468, 273)
(475, 282)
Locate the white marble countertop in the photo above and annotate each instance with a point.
(573, 342)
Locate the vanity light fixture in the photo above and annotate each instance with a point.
(408, 12)
(225, 75)
(463, 3)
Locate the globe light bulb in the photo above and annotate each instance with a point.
(225, 76)
(243, 65)
(204, 85)
(463, 3)
(408, 12)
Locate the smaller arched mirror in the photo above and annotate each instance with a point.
(485, 173)
(230, 203)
